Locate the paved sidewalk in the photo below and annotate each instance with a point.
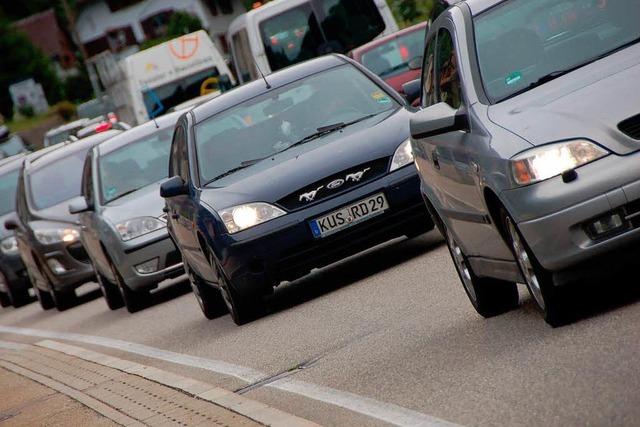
(24, 402)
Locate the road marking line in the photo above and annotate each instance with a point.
(9, 345)
(388, 412)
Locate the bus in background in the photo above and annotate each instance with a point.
(285, 32)
(149, 83)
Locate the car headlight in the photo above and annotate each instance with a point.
(551, 160)
(238, 218)
(49, 236)
(402, 157)
(137, 227)
(9, 246)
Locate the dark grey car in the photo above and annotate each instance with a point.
(527, 145)
(47, 234)
(123, 224)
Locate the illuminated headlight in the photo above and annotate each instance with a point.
(9, 246)
(49, 236)
(403, 156)
(551, 160)
(241, 217)
(137, 227)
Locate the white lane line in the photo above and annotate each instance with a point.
(10, 345)
(383, 411)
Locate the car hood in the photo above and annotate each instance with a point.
(294, 169)
(144, 202)
(57, 213)
(587, 103)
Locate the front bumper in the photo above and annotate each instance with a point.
(73, 258)
(14, 272)
(157, 245)
(552, 215)
(286, 249)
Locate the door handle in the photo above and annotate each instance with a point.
(434, 159)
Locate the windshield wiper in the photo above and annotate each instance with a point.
(245, 164)
(126, 193)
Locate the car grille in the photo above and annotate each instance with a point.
(632, 213)
(78, 252)
(335, 184)
(631, 127)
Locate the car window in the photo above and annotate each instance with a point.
(179, 161)
(392, 58)
(272, 122)
(139, 163)
(87, 178)
(448, 77)
(12, 146)
(21, 202)
(348, 24)
(8, 186)
(428, 76)
(243, 55)
(521, 41)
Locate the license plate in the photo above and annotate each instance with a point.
(349, 215)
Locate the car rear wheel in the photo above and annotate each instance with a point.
(111, 293)
(209, 299)
(4, 300)
(551, 299)
(490, 297)
(134, 301)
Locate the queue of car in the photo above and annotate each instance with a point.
(525, 142)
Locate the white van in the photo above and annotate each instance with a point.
(285, 32)
(149, 83)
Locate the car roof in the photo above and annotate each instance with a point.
(9, 163)
(382, 40)
(67, 126)
(57, 152)
(167, 121)
(257, 87)
(479, 6)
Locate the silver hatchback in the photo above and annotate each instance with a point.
(528, 145)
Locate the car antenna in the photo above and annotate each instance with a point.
(262, 75)
(155, 122)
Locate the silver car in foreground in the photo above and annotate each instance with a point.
(123, 225)
(527, 144)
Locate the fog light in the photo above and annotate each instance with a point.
(56, 266)
(606, 225)
(148, 267)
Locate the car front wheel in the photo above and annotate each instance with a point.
(549, 298)
(134, 301)
(490, 297)
(209, 299)
(111, 292)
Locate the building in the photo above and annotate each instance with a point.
(43, 31)
(120, 26)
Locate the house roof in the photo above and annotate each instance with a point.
(43, 31)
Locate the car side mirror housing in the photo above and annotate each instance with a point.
(438, 119)
(411, 90)
(415, 63)
(174, 187)
(11, 224)
(79, 205)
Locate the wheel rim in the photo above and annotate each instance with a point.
(461, 264)
(526, 266)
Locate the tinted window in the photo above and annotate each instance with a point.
(8, 185)
(136, 165)
(243, 56)
(449, 89)
(521, 41)
(392, 58)
(87, 178)
(348, 24)
(57, 138)
(57, 182)
(14, 145)
(273, 122)
(429, 75)
(179, 155)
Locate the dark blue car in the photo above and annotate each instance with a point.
(281, 176)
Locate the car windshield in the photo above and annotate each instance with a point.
(392, 58)
(57, 182)
(523, 43)
(12, 146)
(58, 138)
(135, 165)
(275, 121)
(8, 184)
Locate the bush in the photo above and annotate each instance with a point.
(26, 111)
(66, 110)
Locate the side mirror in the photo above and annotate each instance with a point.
(438, 119)
(415, 63)
(174, 187)
(411, 90)
(11, 224)
(78, 206)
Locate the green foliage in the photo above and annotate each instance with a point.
(182, 23)
(22, 60)
(66, 110)
(78, 88)
(26, 111)
(409, 12)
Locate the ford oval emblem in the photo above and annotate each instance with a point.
(335, 184)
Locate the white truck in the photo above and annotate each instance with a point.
(149, 83)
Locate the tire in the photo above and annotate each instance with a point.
(19, 298)
(550, 299)
(110, 292)
(63, 300)
(134, 301)
(209, 299)
(490, 297)
(4, 300)
(44, 298)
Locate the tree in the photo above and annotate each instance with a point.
(409, 12)
(22, 60)
(182, 23)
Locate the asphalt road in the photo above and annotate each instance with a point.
(390, 334)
